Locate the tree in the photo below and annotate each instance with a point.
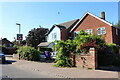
(63, 48)
(36, 36)
(17, 44)
(118, 24)
(84, 41)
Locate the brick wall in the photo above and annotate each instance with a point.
(87, 60)
(64, 34)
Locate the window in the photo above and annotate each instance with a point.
(75, 34)
(89, 31)
(54, 36)
(4, 45)
(101, 31)
(116, 31)
(10, 45)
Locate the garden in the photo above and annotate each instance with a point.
(108, 53)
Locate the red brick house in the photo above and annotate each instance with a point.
(91, 23)
(99, 26)
(9, 46)
(6, 42)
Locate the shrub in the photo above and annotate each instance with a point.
(115, 48)
(84, 41)
(29, 53)
(62, 58)
(17, 46)
(3, 49)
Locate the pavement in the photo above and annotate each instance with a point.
(56, 72)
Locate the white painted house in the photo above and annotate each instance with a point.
(54, 34)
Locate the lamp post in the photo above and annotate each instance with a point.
(18, 36)
(19, 26)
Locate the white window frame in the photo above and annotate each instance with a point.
(116, 31)
(101, 33)
(76, 33)
(54, 35)
(89, 31)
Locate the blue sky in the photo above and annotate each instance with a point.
(32, 14)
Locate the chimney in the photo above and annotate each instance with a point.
(103, 15)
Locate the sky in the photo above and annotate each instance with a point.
(32, 14)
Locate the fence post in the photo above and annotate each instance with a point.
(93, 54)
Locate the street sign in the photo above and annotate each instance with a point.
(19, 36)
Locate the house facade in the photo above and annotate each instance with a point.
(6, 42)
(54, 34)
(9, 46)
(99, 26)
(60, 31)
(90, 23)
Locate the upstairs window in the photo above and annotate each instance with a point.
(54, 36)
(89, 31)
(101, 31)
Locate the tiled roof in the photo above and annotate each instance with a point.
(65, 25)
(44, 44)
(68, 24)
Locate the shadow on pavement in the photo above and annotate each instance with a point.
(109, 68)
(47, 61)
(9, 62)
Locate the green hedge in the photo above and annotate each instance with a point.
(3, 49)
(115, 48)
(29, 53)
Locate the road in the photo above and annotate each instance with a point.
(15, 71)
(31, 69)
(10, 71)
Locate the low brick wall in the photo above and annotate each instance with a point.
(87, 60)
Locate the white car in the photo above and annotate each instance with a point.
(53, 55)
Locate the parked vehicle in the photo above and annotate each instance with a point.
(53, 55)
(2, 58)
(42, 56)
(48, 55)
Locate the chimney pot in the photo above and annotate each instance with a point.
(103, 15)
